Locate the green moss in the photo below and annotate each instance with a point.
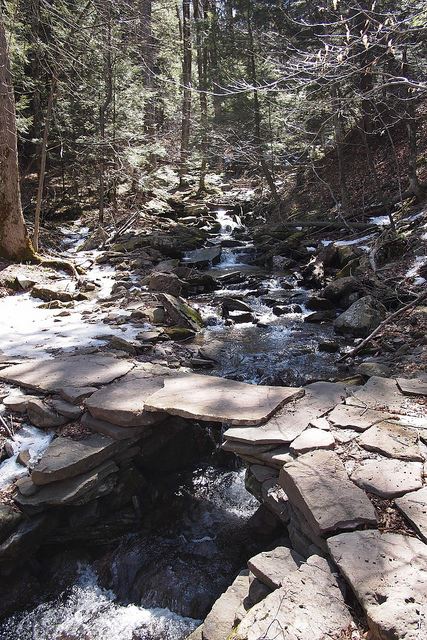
(179, 333)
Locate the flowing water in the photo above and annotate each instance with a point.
(158, 583)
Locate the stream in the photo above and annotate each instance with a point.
(158, 584)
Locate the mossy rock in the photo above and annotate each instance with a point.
(179, 333)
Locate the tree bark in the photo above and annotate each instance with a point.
(257, 115)
(186, 96)
(202, 62)
(14, 241)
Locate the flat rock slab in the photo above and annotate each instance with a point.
(124, 402)
(393, 440)
(413, 387)
(383, 394)
(54, 374)
(42, 415)
(221, 620)
(359, 418)
(272, 568)
(203, 257)
(317, 484)
(76, 395)
(388, 478)
(388, 574)
(309, 605)
(112, 430)
(78, 490)
(311, 439)
(414, 508)
(290, 422)
(219, 400)
(66, 458)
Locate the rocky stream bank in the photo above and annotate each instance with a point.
(196, 356)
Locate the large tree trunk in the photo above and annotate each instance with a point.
(14, 241)
(186, 97)
(200, 11)
(257, 116)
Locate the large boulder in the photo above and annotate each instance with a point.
(361, 318)
(341, 287)
(166, 283)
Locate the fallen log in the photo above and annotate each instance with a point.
(332, 224)
(381, 326)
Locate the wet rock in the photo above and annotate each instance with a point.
(336, 290)
(388, 478)
(212, 350)
(41, 415)
(9, 520)
(280, 310)
(240, 317)
(311, 439)
(329, 346)
(24, 541)
(166, 283)
(219, 400)
(66, 458)
(234, 304)
(76, 395)
(77, 490)
(221, 620)
(388, 574)
(320, 316)
(235, 277)
(414, 508)
(272, 568)
(392, 440)
(317, 303)
(309, 605)
(181, 313)
(60, 372)
(179, 333)
(203, 257)
(317, 484)
(24, 458)
(361, 318)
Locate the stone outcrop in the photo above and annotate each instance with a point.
(317, 484)
(308, 605)
(388, 574)
(361, 318)
(181, 313)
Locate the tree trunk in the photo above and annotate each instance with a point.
(411, 128)
(202, 62)
(186, 97)
(257, 116)
(108, 96)
(339, 144)
(42, 170)
(14, 241)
